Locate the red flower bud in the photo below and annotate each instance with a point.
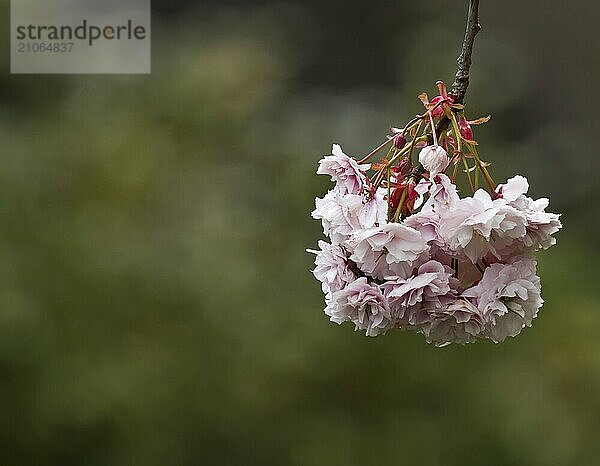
(406, 192)
(465, 129)
(411, 197)
(439, 110)
(403, 168)
(396, 195)
(399, 141)
(449, 144)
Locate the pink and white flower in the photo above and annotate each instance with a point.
(332, 268)
(468, 226)
(345, 171)
(363, 304)
(540, 225)
(405, 296)
(455, 269)
(393, 243)
(508, 298)
(344, 214)
(475, 223)
(434, 159)
(432, 279)
(457, 322)
(443, 194)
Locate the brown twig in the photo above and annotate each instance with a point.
(461, 81)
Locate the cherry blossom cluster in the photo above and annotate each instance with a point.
(406, 251)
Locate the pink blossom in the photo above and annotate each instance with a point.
(540, 225)
(364, 305)
(343, 214)
(457, 270)
(432, 279)
(457, 322)
(345, 171)
(443, 194)
(427, 222)
(332, 267)
(468, 227)
(338, 213)
(514, 188)
(405, 296)
(508, 297)
(392, 243)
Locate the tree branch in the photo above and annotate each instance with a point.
(461, 81)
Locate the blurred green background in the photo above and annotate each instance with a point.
(156, 304)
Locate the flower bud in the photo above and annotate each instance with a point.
(434, 159)
(396, 195)
(407, 193)
(402, 169)
(448, 143)
(465, 129)
(412, 196)
(439, 110)
(399, 141)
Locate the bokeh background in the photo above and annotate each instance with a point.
(156, 304)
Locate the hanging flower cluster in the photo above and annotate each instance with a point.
(407, 251)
